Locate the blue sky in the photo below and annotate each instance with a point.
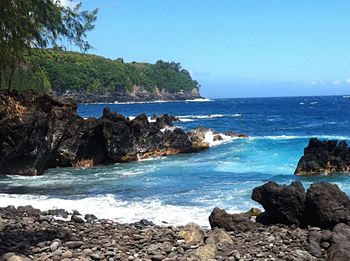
(234, 48)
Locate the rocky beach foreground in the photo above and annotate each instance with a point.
(30, 234)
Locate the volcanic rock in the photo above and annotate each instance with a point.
(219, 218)
(326, 205)
(40, 132)
(283, 204)
(324, 157)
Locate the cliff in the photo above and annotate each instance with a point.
(40, 132)
(92, 78)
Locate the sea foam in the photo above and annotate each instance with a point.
(106, 206)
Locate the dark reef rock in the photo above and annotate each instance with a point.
(326, 205)
(283, 204)
(324, 157)
(40, 132)
(219, 218)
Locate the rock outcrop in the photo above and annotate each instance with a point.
(137, 94)
(324, 205)
(283, 204)
(40, 132)
(219, 218)
(324, 157)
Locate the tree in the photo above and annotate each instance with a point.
(27, 24)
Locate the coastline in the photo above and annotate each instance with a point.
(33, 235)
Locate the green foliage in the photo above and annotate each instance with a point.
(97, 75)
(25, 24)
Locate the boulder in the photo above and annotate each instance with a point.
(283, 204)
(324, 157)
(206, 252)
(218, 237)
(192, 234)
(219, 218)
(340, 244)
(326, 206)
(235, 134)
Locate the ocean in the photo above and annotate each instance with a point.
(182, 188)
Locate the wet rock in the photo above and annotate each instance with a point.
(77, 219)
(217, 137)
(283, 204)
(324, 157)
(56, 212)
(90, 218)
(71, 141)
(235, 134)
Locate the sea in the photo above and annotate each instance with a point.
(175, 190)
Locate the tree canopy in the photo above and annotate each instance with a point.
(27, 24)
(92, 74)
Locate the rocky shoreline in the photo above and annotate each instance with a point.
(138, 94)
(41, 132)
(30, 234)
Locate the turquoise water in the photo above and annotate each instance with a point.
(182, 188)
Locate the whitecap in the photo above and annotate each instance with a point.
(209, 138)
(106, 206)
(199, 100)
(209, 116)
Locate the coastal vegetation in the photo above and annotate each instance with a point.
(58, 70)
(29, 24)
(29, 27)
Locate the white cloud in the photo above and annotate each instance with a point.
(336, 82)
(347, 80)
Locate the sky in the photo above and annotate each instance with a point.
(234, 48)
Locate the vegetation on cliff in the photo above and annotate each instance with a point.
(38, 23)
(86, 73)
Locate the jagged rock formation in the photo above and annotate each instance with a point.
(40, 132)
(323, 205)
(283, 204)
(324, 157)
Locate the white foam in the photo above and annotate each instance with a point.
(209, 138)
(169, 128)
(139, 102)
(149, 118)
(209, 116)
(108, 207)
(185, 120)
(199, 100)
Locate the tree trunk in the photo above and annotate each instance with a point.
(10, 77)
